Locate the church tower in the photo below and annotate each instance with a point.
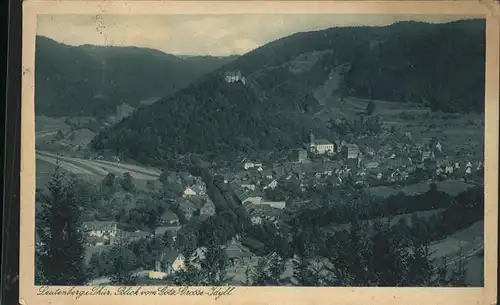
(312, 139)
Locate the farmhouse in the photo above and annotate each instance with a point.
(193, 191)
(236, 252)
(169, 262)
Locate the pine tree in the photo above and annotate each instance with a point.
(420, 269)
(61, 255)
(248, 279)
(370, 108)
(268, 271)
(127, 182)
(123, 262)
(459, 272)
(302, 272)
(215, 264)
(442, 278)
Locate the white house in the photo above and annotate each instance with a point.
(272, 185)
(253, 200)
(193, 191)
(168, 263)
(322, 146)
(256, 220)
(439, 147)
(178, 263)
(249, 186)
(189, 192)
(248, 165)
(275, 204)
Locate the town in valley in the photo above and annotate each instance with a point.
(356, 159)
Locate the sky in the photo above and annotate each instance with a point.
(216, 35)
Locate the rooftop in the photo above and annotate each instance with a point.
(352, 146)
(99, 225)
(234, 250)
(322, 142)
(168, 255)
(169, 216)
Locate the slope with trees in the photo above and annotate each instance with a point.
(91, 80)
(440, 66)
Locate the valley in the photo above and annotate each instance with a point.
(339, 157)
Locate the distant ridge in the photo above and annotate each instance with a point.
(69, 78)
(440, 66)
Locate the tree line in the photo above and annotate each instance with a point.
(351, 256)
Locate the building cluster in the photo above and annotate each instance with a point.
(100, 233)
(171, 261)
(389, 162)
(381, 160)
(326, 147)
(234, 76)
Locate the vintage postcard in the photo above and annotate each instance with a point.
(274, 152)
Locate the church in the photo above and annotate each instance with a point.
(321, 146)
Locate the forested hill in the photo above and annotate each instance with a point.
(211, 117)
(287, 81)
(442, 65)
(91, 80)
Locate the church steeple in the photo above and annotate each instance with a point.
(312, 139)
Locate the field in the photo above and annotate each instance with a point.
(471, 236)
(462, 133)
(45, 167)
(44, 171)
(450, 187)
(45, 124)
(471, 240)
(394, 219)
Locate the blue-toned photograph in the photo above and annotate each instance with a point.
(260, 150)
